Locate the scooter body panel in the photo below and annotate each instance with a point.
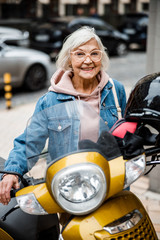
(4, 235)
(91, 227)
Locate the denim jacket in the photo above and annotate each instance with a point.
(17, 161)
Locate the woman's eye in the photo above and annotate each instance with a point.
(94, 53)
(80, 54)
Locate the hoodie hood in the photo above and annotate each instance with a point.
(61, 82)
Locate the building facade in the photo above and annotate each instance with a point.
(104, 6)
(53, 8)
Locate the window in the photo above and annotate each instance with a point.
(145, 6)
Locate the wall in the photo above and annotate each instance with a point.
(153, 45)
(153, 65)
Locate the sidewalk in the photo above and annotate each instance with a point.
(150, 200)
(13, 122)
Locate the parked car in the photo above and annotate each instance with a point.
(49, 37)
(28, 68)
(136, 25)
(14, 36)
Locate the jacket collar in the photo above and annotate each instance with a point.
(64, 97)
(104, 94)
(106, 91)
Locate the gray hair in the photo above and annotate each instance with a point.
(76, 39)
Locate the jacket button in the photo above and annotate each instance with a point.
(59, 128)
(104, 104)
(106, 122)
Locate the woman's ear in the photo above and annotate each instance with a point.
(69, 62)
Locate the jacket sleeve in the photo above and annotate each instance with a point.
(17, 160)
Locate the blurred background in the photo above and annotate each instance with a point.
(32, 9)
(43, 25)
(128, 16)
(108, 9)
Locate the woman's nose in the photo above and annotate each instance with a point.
(88, 59)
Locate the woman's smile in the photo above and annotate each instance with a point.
(87, 69)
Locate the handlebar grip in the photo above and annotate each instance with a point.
(13, 192)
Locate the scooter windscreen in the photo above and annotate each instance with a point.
(63, 129)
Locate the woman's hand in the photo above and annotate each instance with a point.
(8, 182)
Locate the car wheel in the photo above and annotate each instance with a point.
(121, 49)
(35, 78)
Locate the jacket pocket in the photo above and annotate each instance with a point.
(59, 125)
(61, 137)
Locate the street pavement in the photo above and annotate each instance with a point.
(13, 122)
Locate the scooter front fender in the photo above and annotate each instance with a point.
(92, 226)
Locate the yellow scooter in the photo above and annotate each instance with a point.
(82, 180)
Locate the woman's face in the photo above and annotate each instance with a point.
(86, 60)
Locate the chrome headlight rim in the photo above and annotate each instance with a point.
(80, 207)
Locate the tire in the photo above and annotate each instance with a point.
(35, 78)
(121, 49)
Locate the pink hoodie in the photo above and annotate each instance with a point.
(61, 83)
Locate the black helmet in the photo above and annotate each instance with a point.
(144, 101)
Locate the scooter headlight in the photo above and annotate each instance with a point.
(134, 168)
(79, 189)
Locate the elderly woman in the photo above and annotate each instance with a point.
(82, 64)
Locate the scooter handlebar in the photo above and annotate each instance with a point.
(152, 151)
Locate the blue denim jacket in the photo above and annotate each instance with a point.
(17, 159)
